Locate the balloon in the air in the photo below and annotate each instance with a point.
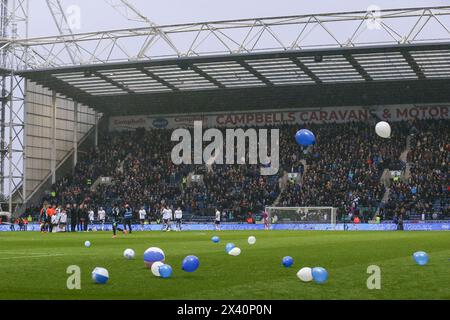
(305, 137)
(383, 129)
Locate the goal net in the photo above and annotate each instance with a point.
(326, 215)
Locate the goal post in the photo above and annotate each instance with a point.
(295, 215)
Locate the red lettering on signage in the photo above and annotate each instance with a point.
(323, 115)
(302, 116)
(219, 119)
(414, 112)
(259, 118)
(434, 112)
(402, 113)
(333, 116)
(343, 115)
(291, 116)
(363, 114)
(352, 115)
(444, 112)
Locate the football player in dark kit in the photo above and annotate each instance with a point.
(115, 218)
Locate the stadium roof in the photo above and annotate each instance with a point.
(298, 78)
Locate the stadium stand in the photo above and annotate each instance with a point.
(344, 169)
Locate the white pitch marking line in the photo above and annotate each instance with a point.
(33, 256)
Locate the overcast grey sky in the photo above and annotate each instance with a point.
(97, 15)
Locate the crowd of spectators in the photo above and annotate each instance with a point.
(343, 169)
(427, 189)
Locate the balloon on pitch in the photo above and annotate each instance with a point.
(152, 255)
(234, 252)
(215, 239)
(87, 244)
(165, 271)
(190, 264)
(305, 274)
(383, 129)
(155, 268)
(287, 261)
(421, 258)
(305, 137)
(100, 275)
(129, 254)
(251, 240)
(319, 274)
(229, 246)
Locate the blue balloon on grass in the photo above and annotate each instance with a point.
(229, 246)
(287, 261)
(305, 137)
(215, 239)
(190, 264)
(165, 271)
(421, 258)
(320, 275)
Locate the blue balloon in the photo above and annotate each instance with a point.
(287, 261)
(190, 264)
(165, 271)
(305, 137)
(215, 239)
(320, 275)
(421, 258)
(229, 246)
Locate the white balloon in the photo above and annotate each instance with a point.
(251, 240)
(234, 252)
(383, 129)
(129, 254)
(87, 244)
(155, 268)
(305, 274)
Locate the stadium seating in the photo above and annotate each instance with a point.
(343, 169)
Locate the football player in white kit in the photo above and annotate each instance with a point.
(178, 217)
(217, 220)
(142, 215)
(102, 217)
(166, 215)
(91, 216)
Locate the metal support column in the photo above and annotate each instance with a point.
(75, 135)
(53, 137)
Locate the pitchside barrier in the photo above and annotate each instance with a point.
(422, 226)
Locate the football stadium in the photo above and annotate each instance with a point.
(298, 156)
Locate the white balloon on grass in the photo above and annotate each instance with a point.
(305, 274)
(234, 252)
(251, 240)
(155, 268)
(383, 129)
(129, 254)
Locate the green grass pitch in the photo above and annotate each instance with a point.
(33, 265)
